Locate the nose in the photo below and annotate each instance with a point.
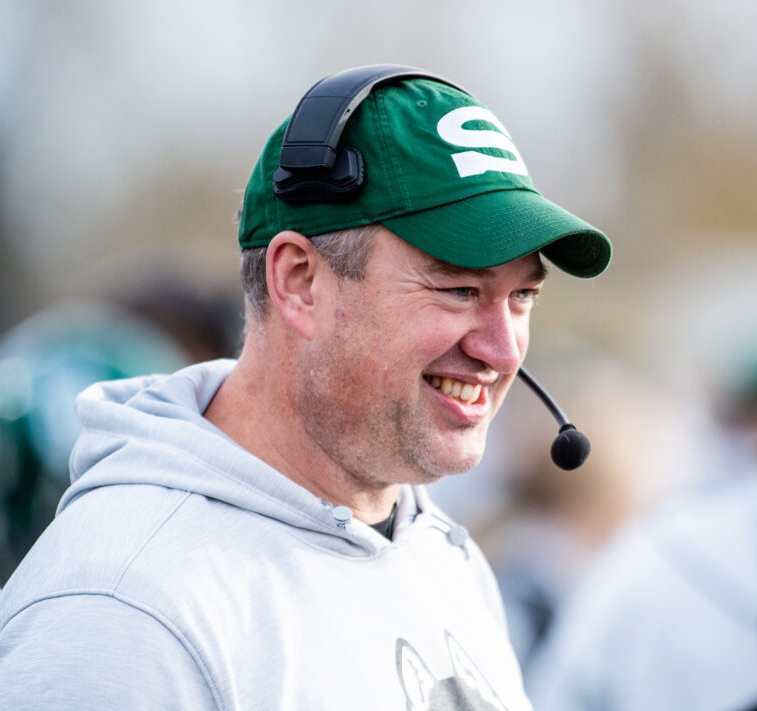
(498, 339)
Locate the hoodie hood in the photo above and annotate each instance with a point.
(181, 564)
(150, 430)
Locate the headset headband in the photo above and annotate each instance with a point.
(311, 167)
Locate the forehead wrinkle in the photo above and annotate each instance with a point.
(437, 266)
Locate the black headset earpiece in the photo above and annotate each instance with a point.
(313, 167)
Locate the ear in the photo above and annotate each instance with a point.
(291, 266)
(470, 675)
(417, 680)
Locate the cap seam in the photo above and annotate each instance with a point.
(403, 195)
(435, 204)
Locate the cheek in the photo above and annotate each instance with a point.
(409, 350)
(379, 338)
(524, 337)
(355, 355)
(392, 345)
(520, 323)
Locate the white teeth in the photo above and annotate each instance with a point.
(454, 388)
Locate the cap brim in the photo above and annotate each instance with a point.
(497, 227)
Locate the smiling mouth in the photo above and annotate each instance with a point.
(455, 389)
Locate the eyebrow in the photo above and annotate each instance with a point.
(437, 266)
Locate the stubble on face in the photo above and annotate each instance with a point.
(359, 389)
(373, 426)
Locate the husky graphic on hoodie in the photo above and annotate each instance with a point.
(467, 689)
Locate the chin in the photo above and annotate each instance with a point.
(463, 457)
(458, 465)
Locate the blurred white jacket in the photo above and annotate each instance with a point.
(667, 619)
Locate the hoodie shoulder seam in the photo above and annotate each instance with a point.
(149, 538)
(161, 619)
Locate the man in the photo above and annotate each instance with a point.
(253, 533)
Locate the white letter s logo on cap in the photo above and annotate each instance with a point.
(450, 129)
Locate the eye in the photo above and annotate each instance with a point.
(463, 292)
(526, 296)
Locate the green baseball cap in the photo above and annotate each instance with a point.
(441, 172)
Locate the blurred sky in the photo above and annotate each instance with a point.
(128, 130)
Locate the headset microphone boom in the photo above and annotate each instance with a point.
(571, 447)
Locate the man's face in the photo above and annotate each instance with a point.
(408, 366)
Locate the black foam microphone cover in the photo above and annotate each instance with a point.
(570, 448)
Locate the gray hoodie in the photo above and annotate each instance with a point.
(182, 572)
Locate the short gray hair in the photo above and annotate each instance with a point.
(346, 251)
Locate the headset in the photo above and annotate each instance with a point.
(314, 168)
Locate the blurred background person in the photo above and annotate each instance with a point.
(49, 358)
(665, 619)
